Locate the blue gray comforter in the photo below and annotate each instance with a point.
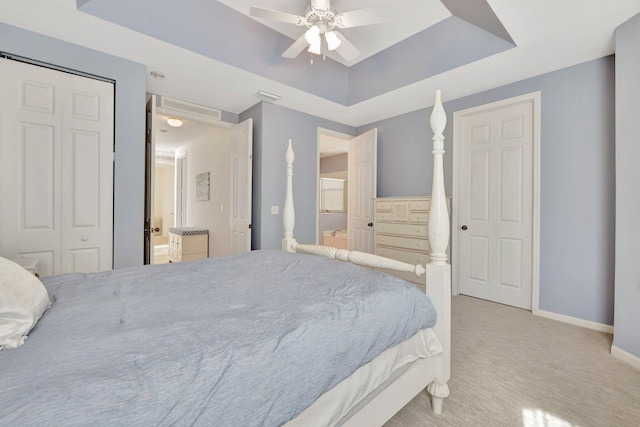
(233, 341)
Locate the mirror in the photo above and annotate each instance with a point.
(333, 195)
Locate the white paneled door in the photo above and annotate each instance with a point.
(496, 202)
(362, 179)
(241, 184)
(56, 168)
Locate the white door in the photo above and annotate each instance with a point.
(362, 165)
(241, 172)
(149, 180)
(56, 168)
(496, 202)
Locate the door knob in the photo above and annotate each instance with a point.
(84, 239)
(370, 224)
(464, 227)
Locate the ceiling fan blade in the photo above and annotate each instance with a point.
(347, 50)
(357, 18)
(295, 49)
(320, 4)
(275, 15)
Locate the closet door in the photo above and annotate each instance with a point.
(56, 168)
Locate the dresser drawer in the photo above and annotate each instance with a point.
(420, 205)
(421, 217)
(409, 257)
(402, 242)
(383, 216)
(383, 205)
(402, 229)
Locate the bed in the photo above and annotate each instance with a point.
(264, 338)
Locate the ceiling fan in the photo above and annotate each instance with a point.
(322, 21)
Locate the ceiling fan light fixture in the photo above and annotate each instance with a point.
(333, 42)
(312, 36)
(315, 48)
(176, 123)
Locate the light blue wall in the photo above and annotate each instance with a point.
(278, 125)
(627, 302)
(577, 179)
(129, 127)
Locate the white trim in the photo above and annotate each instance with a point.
(626, 357)
(535, 98)
(535, 237)
(600, 327)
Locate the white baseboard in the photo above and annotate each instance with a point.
(626, 357)
(600, 327)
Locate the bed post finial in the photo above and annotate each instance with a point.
(438, 270)
(438, 227)
(288, 212)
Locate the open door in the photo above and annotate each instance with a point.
(241, 186)
(362, 190)
(149, 172)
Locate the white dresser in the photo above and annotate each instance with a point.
(188, 243)
(400, 232)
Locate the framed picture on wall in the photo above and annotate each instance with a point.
(202, 186)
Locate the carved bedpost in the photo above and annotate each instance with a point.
(288, 212)
(438, 270)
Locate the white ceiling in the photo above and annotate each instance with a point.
(169, 138)
(550, 35)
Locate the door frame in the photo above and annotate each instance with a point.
(535, 98)
(149, 180)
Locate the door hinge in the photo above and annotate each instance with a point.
(249, 225)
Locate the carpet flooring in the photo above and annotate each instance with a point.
(510, 368)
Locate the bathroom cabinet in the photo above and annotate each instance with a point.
(188, 243)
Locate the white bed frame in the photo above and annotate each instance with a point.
(432, 373)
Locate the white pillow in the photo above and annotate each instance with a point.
(23, 299)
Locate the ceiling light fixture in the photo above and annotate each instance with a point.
(333, 42)
(312, 35)
(176, 123)
(322, 22)
(315, 48)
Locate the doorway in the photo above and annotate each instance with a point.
(346, 188)
(496, 200)
(199, 178)
(333, 188)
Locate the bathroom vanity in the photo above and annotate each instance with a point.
(188, 243)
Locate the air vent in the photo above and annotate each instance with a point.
(187, 109)
(165, 158)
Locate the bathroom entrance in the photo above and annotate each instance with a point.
(346, 188)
